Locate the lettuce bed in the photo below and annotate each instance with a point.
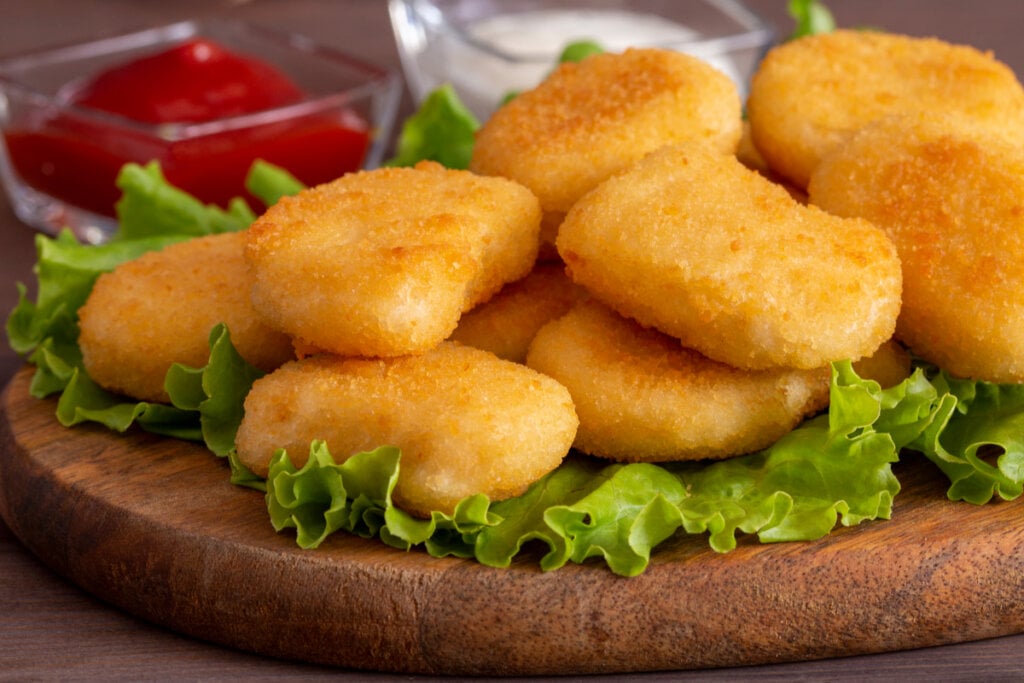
(834, 469)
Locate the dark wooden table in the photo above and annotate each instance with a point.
(50, 629)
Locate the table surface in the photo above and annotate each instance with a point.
(51, 629)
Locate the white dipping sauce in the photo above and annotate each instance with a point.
(534, 40)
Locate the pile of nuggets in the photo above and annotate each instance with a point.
(630, 267)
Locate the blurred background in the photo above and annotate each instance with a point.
(986, 24)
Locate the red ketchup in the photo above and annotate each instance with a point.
(76, 157)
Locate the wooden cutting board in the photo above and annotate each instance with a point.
(153, 526)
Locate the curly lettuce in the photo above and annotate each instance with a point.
(152, 214)
(810, 18)
(834, 469)
(442, 129)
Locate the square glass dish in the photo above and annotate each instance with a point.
(488, 49)
(203, 98)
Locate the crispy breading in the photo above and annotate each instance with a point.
(811, 94)
(952, 200)
(748, 155)
(589, 120)
(695, 244)
(159, 309)
(889, 365)
(383, 262)
(549, 223)
(640, 396)
(466, 421)
(505, 324)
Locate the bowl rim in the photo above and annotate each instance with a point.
(378, 79)
(753, 32)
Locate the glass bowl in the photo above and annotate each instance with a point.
(59, 160)
(488, 49)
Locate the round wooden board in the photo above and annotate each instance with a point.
(153, 526)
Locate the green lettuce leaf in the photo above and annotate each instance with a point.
(216, 391)
(355, 496)
(269, 183)
(833, 469)
(441, 130)
(84, 401)
(523, 519)
(811, 17)
(977, 438)
(634, 508)
(579, 50)
(47, 329)
(65, 272)
(829, 468)
(150, 205)
(575, 51)
(153, 214)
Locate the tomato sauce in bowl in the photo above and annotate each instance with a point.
(200, 106)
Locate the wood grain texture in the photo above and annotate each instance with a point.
(154, 527)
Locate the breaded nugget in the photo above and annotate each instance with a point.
(591, 119)
(889, 365)
(640, 396)
(466, 421)
(693, 243)
(549, 223)
(952, 201)
(506, 323)
(749, 156)
(810, 95)
(159, 309)
(383, 262)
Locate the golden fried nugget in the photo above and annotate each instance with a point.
(383, 262)
(158, 309)
(505, 324)
(889, 365)
(549, 223)
(747, 154)
(952, 200)
(466, 421)
(640, 396)
(810, 95)
(591, 119)
(693, 243)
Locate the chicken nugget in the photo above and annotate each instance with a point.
(695, 244)
(466, 421)
(158, 309)
(889, 365)
(952, 200)
(747, 154)
(640, 396)
(811, 94)
(383, 262)
(591, 119)
(505, 324)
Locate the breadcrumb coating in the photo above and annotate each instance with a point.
(466, 421)
(809, 95)
(951, 198)
(695, 244)
(591, 119)
(506, 324)
(383, 262)
(158, 309)
(640, 396)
